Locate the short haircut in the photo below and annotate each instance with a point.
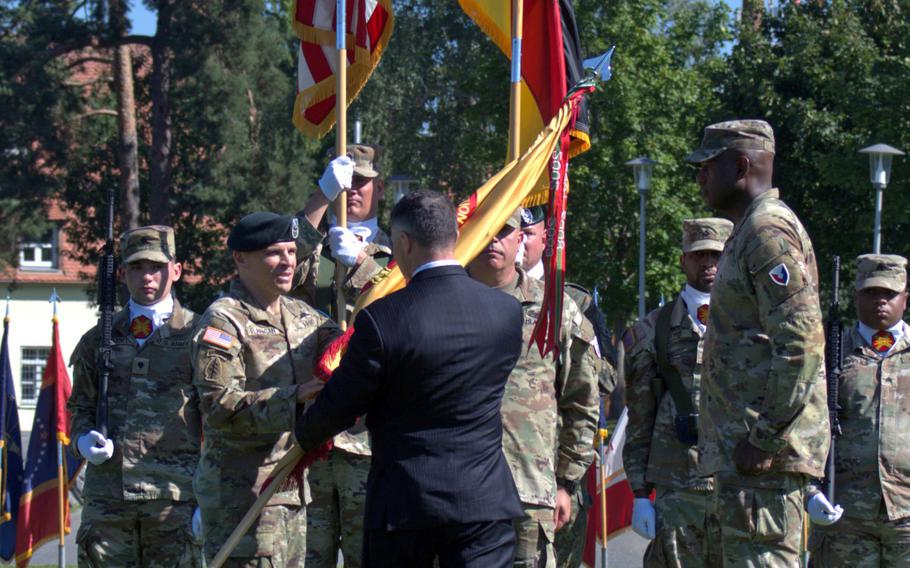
(429, 217)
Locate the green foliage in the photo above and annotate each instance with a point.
(831, 79)
(655, 105)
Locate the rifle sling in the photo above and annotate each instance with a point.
(668, 373)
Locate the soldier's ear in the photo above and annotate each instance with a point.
(743, 165)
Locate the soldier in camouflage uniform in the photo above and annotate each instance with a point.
(549, 408)
(338, 483)
(872, 464)
(570, 539)
(763, 430)
(660, 452)
(138, 485)
(253, 360)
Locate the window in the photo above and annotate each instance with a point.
(39, 254)
(34, 360)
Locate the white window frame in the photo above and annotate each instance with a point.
(38, 361)
(38, 247)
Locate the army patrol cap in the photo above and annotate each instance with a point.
(365, 158)
(258, 230)
(709, 233)
(514, 219)
(154, 242)
(530, 216)
(887, 271)
(739, 134)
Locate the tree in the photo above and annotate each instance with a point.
(655, 105)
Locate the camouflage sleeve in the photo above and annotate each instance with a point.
(360, 275)
(83, 401)
(790, 316)
(309, 246)
(578, 404)
(641, 400)
(219, 374)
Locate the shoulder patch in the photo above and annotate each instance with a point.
(218, 337)
(780, 275)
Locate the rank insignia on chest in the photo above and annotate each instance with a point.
(218, 338)
(882, 341)
(780, 275)
(141, 327)
(702, 314)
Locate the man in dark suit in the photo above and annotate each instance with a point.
(428, 366)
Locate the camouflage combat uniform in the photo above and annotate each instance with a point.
(570, 539)
(339, 483)
(247, 366)
(653, 455)
(763, 380)
(538, 393)
(140, 502)
(872, 464)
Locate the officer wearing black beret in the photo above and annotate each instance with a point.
(253, 360)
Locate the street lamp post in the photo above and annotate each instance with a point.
(880, 156)
(642, 168)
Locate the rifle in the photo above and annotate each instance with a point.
(106, 298)
(834, 361)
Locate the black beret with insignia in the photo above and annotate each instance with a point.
(532, 215)
(258, 230)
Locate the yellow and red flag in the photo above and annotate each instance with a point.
(368, 26)
(551, 62)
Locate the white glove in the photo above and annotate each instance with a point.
(345, 245)
(644, 518)
(196, 524)
(337, 177)
(95, 448)
(520, 255)
(821, 512)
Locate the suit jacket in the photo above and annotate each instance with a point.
(428, 366)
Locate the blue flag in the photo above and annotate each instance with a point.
(10, 453)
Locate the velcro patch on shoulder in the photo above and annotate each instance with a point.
(218, 338)
(780, 275)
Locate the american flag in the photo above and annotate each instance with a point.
(368, 24)
(217, 337)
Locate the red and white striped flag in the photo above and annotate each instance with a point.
(368, 26)
(619, 497)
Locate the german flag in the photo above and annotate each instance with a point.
(551, 62)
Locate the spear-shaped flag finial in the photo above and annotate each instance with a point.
(600, 67)
(54, 299)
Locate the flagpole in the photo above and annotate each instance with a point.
(4, 394)
(515, 92)
(61, 476)
(341, 148)
(604, 434)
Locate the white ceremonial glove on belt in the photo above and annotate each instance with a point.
(644, 518)
(346, 244)
(821, 512)
(95, 448)
(337, 177)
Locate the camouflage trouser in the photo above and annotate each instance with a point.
(760, 527)
(858, 543)
(570, 539)
(137, 533)
(534, 538)
(338, 486)
(278, 539)
(683, 538)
